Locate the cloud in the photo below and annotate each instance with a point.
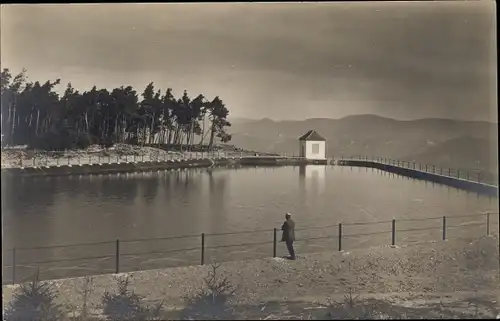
(400, 59)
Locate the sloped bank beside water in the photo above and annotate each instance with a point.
(129, 167)
(87, 169)
(464, 184)
(460, 269)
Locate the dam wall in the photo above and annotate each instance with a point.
(460, 183)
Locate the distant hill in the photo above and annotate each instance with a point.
(453, 142)
(462, 152)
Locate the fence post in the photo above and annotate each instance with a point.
(117, 265)
(68, 160)
(274, 243)
(13, 266)
(467, 175)
(488, 224)
(479, 177)
(142, 158)
(449, 171)
(202, 248)
(434, 169)
(458, 173)
(33, 160)
(340, 237)
(393, 232)
(56, 160)
(444, 228)
(99, 159)
(426, 168)
(90, 159)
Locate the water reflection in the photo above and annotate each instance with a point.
(313, 176)
(156, 204)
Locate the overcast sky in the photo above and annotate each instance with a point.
(282, 61)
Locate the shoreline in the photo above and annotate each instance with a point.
(148, 166)
(113, 168)
(128, 166)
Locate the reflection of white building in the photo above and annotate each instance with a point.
(314, 178)
(312, 146)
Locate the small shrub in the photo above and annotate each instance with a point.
(211, 301)
(127, 305)
(34, 301)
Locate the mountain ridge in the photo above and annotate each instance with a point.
(372, 135)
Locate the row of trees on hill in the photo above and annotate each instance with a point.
(34, 114)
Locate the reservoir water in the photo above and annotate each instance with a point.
(52, 211)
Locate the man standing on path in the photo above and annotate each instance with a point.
(288, 236)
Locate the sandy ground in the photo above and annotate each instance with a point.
(456, 275)
(15, 158)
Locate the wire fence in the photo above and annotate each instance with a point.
(60, 261)
(59, 159)
(475, 175)
(74, 160)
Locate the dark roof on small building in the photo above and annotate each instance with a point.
(312, 135)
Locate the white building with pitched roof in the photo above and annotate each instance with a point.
(312, 146)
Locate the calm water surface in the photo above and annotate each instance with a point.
(82, 209)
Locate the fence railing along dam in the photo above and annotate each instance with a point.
(127, 255)
(475, 175)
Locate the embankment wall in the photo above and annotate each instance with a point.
(464, 184)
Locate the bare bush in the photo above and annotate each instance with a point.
(350, 308)
(81, 312)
